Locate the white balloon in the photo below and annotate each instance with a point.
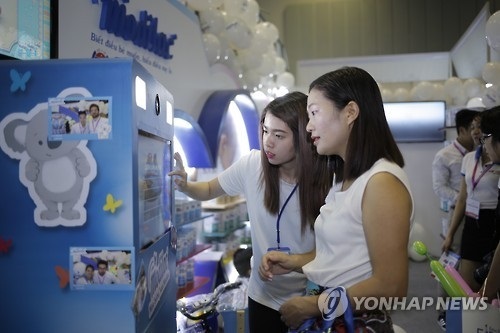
(461, 99)
(279, 65)
(212, 47)
(215, 3)
(413, 94)
(267, 66)
(272, 50)
(249, 60)
(401, 95)
(475, 102)
(268, 30)
(198, 5)
(212, 21)
(237, 32)
(261, 99)
(252, 79)
(472, 87)
(387, 95)
(228, 56)
(268, 85)
(260, 43)
(491, 96)
(491, 72)
(423, 91)
(453, 86)
(236, 67)
(415, 256)
(224, 46)
(438, 92)
(492, 30)
(234, 7)
(286, 80)
(250, 12)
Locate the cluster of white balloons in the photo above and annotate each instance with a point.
(472, 92)
(233, 34)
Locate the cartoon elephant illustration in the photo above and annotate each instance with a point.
(56, 173)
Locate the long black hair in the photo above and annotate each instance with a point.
(490, 123)
(313, 174)
(371, 137)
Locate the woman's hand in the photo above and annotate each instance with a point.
(275, 263)
(448, 241)
(181, 175)
(298, 309)
(198, 190)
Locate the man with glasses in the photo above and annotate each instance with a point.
(484, 137)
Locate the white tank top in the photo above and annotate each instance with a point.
(342, 257)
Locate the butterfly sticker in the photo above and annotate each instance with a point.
(63, 276)
(5, 245)
(111, 204)
(18, 81)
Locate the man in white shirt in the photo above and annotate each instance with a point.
(81, 127)
(99, 124)
(446, 176)
(102, 275)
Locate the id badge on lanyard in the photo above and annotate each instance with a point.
(472, 208)
(285, 249)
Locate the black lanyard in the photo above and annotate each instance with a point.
(279, 215)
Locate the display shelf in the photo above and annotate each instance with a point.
(198, 249)
(205, 275)
(222, 234)
(212, 205)
(198, 219)
(199, 281)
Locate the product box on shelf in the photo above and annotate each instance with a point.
(187, 211)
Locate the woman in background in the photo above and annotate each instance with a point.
(490, 124)
(477, 201)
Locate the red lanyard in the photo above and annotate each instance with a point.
(458, 148)
(95, 124)
(485, 170)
